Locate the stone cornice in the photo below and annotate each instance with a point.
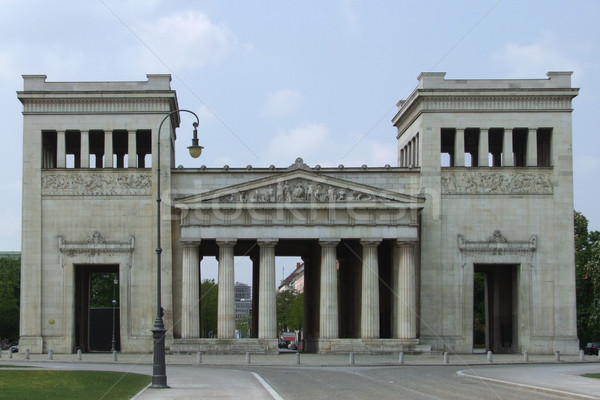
(96, 182)
(95, 244)
(497, 244)
(91, 105)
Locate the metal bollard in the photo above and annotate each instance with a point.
(557, 355)
(27, 354)
(297, 358)
(50, 354)
(401, 358)
(351, 359)
(79, 354)
(114, 355)
(489, 357)
(581, 355)
(446, 358)
(248, 358)
(199, 358)
(526, 356)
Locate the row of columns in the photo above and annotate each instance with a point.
(507, 148)
(409, 154)
(84, 155)
(403, 286)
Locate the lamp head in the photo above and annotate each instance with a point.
(195, 149)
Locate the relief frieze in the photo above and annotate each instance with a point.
(497, 182)
(97, 183)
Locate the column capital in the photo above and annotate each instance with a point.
(226, 242)
(370, 242)
(267, 242)
(329, 242)
(190, 243)
(405, 243)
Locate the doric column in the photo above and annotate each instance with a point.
(369, 307)
(108, 149)
(226, 294)
(85, 149)
(267, 317)
(417, 144)
(61, 150)
(459, 148)
(508, 159)
(190, 291)
(531, 157)
(484, 148)
(131, 149)
(406, 293)
(328, 310)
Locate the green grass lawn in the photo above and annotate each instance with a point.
(49, 385)
(595, 376)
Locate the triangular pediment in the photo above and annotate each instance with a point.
(299, 187)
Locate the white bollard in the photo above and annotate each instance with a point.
(27, 354)
(489, 357)
(557, 355)
(351, 358)
(114, 355)
(50, 354)
(446, 358)
(10, 353)
(79, 354)
(401, 358)
(297, 358)
(199, 358)
(248, 358)
(526, 356)
(581, 355)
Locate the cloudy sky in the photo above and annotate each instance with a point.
(272, 81)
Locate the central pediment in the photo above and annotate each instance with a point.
(300, 188)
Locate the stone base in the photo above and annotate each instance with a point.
(365, 346)
(35, 344)
(225, 346)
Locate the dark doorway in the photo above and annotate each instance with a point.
(495, 308)
(97, 311)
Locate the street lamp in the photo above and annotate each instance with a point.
(159, 370)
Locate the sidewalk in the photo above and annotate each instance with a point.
(540, 372)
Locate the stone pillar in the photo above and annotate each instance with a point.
(190, 291)
(61, 150)
(85, 149)
(508, 159)
(131, 149)
(369, 309)
(531, 157)
(108, 149)
(226, 294)
(416, 150)
(255, 292)
(407, 297)
(328, 310)
(267, 316)
(459, 148)
(484, 148)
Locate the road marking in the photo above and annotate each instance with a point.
(267, 387)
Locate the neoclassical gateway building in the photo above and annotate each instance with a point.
(483, 187)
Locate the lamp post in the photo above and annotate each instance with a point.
(159, 370)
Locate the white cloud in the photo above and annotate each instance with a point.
(535, 59)
(349, 15)
(281, 103)
(309, 141)
(185, 40)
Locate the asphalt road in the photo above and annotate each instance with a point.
(379, 383)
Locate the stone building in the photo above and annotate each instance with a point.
(483, 185)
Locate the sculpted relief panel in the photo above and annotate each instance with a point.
(96, 183)
(497, 182)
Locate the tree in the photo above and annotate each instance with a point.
(208, 308)
(587, 262)
(102, 289)
(10, 280)
(290, 310)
